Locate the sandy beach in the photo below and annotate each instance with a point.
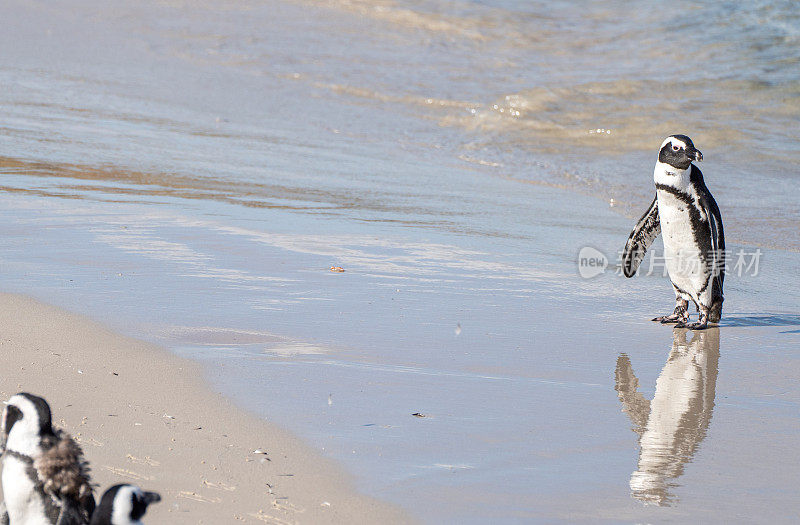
(143, 416)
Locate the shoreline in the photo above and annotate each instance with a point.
(145, 416)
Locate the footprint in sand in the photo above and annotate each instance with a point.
(88, 441)
(266, 518)
(194, 496)
(128, 473)
(285, 506)
(143, 461)
(220, 486)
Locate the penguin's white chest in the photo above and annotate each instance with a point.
(23, 502)
(682, 255)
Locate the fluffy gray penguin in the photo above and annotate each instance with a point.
(694, 242)
(45, 478)
(123, 505)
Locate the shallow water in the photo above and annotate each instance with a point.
(189, 173)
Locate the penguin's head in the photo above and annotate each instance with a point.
(123, 505)
(26, 420)
(678, 151)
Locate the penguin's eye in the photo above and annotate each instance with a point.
(675, 148)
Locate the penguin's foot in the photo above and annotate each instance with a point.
(667, 319)
(675, 317)
(699, 325)
(678, 315)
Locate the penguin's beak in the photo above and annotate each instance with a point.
(695, 154)
(151, 497)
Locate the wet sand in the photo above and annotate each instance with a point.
(143, 416)
(547, 397)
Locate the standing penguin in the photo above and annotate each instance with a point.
(123, 505)
(694, 241)
(45, 478)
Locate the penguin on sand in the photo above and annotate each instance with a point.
(694, 242)
(45, 478)
(123, 505)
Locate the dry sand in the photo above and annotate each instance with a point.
(145, 416)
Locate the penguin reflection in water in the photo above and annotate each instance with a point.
(45, 478)
(694, 242)
(671, 425)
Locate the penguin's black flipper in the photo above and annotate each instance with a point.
(717, 255)
(644, 233)
(717, 236)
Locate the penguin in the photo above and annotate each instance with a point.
(45, 478)
(123, 505)
(694, 241)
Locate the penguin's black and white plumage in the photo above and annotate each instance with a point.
(45, 478)
(687, 215)
(123, 505)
